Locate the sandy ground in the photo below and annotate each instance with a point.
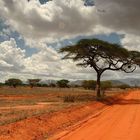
(120, 121)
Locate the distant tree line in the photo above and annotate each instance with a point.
(91, 84)
(64, 83)
(13, 82)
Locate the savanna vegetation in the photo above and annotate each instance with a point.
(102, 56)
(23, 99)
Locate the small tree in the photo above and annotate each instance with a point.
(52, 85)
(89, 84)
(13, 82)
(102, 56)
(33, 82)
(62, 83)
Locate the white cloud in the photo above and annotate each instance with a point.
(131, 42)
(11, 57)
(66, 18)
(46, 64)
(59, 19)
(53, 20)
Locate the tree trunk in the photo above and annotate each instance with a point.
(98, 86)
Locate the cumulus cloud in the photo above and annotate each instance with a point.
(11, 57)
(62, 19)
(56, 19)
(131, 42)
(46, 63)
(66, 18)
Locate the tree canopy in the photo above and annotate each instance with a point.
(63, 83)
(33, 82)
(102, 56)
(13, 82)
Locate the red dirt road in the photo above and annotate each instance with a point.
(120, 121)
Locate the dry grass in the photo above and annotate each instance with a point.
(23, 102)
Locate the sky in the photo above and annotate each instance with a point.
(33, 31)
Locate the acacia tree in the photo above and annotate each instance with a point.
(102, 56)
(13, 82)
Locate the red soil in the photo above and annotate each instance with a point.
(38, 128)
(120, 121)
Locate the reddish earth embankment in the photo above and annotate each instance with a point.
(38, 128)
(120, 121)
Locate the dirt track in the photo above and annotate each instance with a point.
(120, 121)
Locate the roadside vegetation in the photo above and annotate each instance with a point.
(23, 101)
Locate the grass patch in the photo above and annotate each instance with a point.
(57, 98)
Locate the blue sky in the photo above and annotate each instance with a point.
(14, 34)
(35, 30)
(112, 38)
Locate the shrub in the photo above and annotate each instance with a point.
(124, 86)
(89, 84)
(52, 85)
(106, 85)
(69, 98)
